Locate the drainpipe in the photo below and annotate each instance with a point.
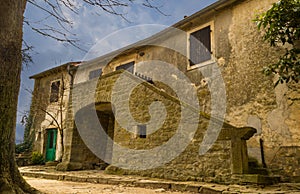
(261, 143)
(71, 75)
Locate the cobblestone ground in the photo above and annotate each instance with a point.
(95, 181)
(66, 187)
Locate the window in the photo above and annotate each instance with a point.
(127, 66)
(200, 47)
(54, 93)
(142, 131)
(95, 73)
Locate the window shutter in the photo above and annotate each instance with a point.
(128, 66)
(200, 46)
(95, 73)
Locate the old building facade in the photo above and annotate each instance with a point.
(231, 50)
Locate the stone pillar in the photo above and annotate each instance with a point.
(239, 156)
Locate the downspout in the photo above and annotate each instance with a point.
(263, 161)
(71, 75)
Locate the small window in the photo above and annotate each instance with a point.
(200, 46)
(128, 66)
(54, 94)
(95, 73)
(142, 131)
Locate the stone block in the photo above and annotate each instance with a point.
(257, 179)
(49, 176)
(69, 166)
(152, 184)
(51, 163)
(185, 187)
(205, 190)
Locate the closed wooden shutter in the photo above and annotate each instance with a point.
(128, 66)
(200, 46)
(95, 73)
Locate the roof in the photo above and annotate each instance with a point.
(213, 8)
(207, 10)
(55, 69)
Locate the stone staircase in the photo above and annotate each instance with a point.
(255, 168)
(256, 175)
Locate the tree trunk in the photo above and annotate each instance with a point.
(11, 21)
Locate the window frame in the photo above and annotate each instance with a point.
(126, 62)
(212, 44)
(95, 70)
(58, 93)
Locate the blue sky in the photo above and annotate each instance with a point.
(89, 28)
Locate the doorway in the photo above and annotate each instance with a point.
(51, 144)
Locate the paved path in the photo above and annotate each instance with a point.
(66, 187)
(99, 177)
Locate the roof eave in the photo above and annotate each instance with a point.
(54, 70)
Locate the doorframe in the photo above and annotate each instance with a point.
(54, 142)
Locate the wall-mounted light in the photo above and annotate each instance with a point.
(141, 54)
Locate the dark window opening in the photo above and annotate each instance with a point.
(54, 94)
(200, 46)
(142, 130)
(95, 73)
(128, 66)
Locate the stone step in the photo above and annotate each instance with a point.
(256, 179)
(253, 164)
(258, 170)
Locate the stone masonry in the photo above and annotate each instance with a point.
(227, 156)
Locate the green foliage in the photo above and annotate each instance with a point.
(24, 147)
(37, 158)
(27, 145)
(282, 25)
(288, 67)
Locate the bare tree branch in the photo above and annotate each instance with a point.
(26, 56)
(157, 8)
(59, 25)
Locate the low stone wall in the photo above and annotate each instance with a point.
(23, 159)
(286, 163)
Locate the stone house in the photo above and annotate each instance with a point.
(219, 55)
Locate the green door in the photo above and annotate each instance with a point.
(51, 144)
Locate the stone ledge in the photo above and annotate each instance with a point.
(256, 179)
(185, 187)
(209, 191)
(152, 184)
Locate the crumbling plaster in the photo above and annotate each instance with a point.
(251, 97)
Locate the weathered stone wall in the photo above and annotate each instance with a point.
(218, 164)
(77, 155)
(252, 99)
(286, 162)
(241, 55)
(41, 109)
